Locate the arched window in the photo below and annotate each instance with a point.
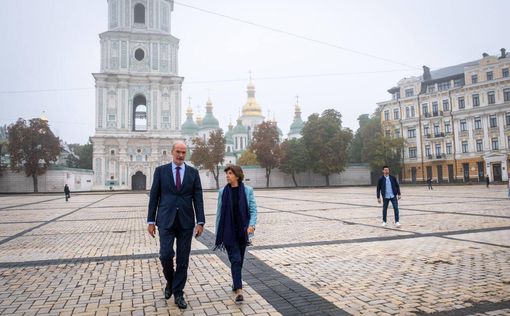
(139, 13)
(139, 113)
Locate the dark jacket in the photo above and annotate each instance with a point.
(166, 202)
(381, 186)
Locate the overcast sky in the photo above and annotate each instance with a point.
(359, 50)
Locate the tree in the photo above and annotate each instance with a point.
(265, 146)
(3, 147)
(294, 158)
(210, 155)
(247, 158)
(380, 150)
(326, 143)
(357, 142)
(82, 157)
(32, 147)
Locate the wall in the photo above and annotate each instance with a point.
(51, 181)
(355, 174)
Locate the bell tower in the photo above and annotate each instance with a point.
(138, 94)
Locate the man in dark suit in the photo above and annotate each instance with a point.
(175, 199)
(390, 189)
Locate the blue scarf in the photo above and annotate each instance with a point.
(226, 231)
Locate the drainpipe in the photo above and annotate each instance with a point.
(422, 141)
(453, 137)
(402, 136)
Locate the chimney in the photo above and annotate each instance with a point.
(485, 55)
(426, 73)
(503, 53)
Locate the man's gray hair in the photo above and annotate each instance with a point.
(178, 142)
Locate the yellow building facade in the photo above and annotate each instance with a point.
(455, 121)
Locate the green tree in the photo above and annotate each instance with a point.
(32, 147)
(210, 155)
(82, 157)
(356, 148)
(265, 145)
(3, 147)
(294, 158)
(327, 143)
(247, 158)
(379, 150)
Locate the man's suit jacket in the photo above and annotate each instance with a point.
(166, 203)
(381, 186)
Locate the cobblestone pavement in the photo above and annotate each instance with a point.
(316, 252)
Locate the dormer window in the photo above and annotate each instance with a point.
(139, 13)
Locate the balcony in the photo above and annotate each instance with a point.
(441, 156)
(428, 135)
(427, 114)
(439, 134)
(478, 131)
(437, 113)
(429, 156)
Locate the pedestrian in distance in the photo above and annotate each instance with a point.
(175, 200)
(429, 184)
(487, 181)
(67, 192)
(236, 217)
(388, 187)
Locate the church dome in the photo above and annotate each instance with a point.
(209, 120)
(251, 108)
(240, 129)
(189, 127)
(229, 139)
(298, 124)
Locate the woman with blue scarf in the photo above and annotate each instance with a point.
(235, 220)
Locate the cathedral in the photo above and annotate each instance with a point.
(138, 100)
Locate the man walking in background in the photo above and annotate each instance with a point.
(390, 189)
(175, 199)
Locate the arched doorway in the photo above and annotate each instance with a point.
(138, 181)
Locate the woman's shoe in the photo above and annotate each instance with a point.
(239, 295)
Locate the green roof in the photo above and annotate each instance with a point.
(210, 121)
(297, 126)
(189, 127)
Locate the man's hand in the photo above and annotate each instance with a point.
(379, 200)
(151, 229)
(250, 230)
(199, 229)
(398, 196)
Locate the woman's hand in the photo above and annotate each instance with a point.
(250, 230)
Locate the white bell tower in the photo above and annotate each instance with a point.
(138, 94)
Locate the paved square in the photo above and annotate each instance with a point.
(317, 252)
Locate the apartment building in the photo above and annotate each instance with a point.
(455, 121)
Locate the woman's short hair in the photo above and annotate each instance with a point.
(236, 170)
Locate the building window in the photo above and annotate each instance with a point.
(508, 141)
(396, 114)
(164, 152)
(409, 92)
(412, 152)
(448, 148)
(112, 152)
(458, 83)
(139, 54)
(447, 127)
(462, 103)
(507, 118)
(411, 133)
(491, 97)
(443, 86)
(426, 130)
(431, 88)
(438, 150)
(427, 151)
(490, 75)
(139, 13)
(413, 113)
(436, 129)
(478, 123)
(396, 95)
(386, 115)
(446, 105)
(435, 109)
(504, 72)
(425, 109)
(464, 147)
(463, 125)
(495, 143)
(479, 145)
(493, 122)
(506, 95)
(397, 133)
(476, 100)
(474, 79)
(387, 133)
(111, 117)
(407, 112)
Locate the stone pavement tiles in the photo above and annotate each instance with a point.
(316, 252)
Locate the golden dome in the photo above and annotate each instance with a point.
(251, 108)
